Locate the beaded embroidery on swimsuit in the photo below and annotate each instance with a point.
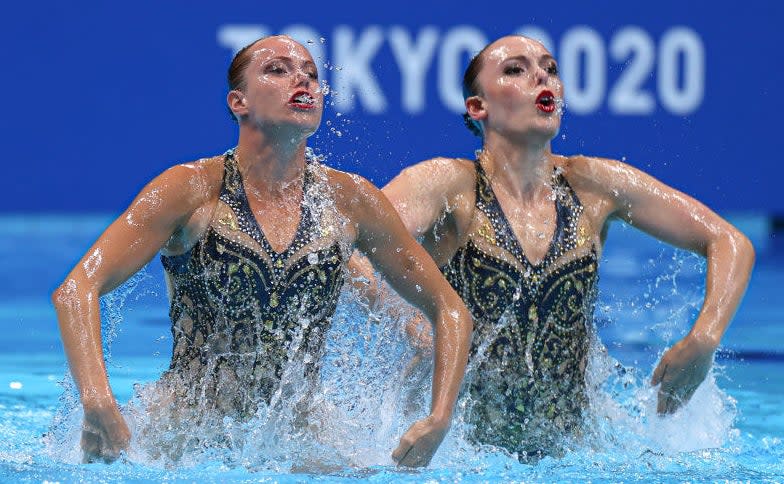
(531, 324)
(240, 310)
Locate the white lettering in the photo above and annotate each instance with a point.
(352, 70)
(627, 96)
(675, 42)
(354, 54)
(577, 42)
(458, 42)
(413, 58)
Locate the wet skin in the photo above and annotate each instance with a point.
(436, 201)
(277, 108)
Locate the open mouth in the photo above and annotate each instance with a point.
(545, 101)
(302, 100)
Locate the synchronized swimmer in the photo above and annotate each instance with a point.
(248, 257)
(518, 233)
(256, 243)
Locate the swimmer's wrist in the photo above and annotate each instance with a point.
(706, 340)
(441, 419)
(93, 400)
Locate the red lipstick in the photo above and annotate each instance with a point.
(545, 101)
(302, 100)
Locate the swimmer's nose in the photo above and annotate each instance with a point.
(302, 78)
(541, 76)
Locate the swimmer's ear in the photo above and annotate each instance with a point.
(237, 105)
(475, 107)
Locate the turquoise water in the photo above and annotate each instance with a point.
(732, 430)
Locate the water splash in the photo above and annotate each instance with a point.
(364, 400)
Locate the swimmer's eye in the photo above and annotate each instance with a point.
(313, 75)
(513, 70)
(552, 69)
(276, 69)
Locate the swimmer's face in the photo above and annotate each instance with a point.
(281, 87)
(520, 91)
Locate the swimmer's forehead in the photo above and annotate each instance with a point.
(280, 47)
(515, 47)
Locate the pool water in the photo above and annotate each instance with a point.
(731, 430)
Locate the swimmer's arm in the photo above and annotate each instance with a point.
(682, 221)
(423, 193)
(417, 328)
(159, 210)
(412, 273)
(419, 202)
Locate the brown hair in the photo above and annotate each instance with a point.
(471, 84)
(236, 74)
(471, 88)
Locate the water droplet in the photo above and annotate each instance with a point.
(313, 258)
(15, 385)
(310, 41)
(322, 40)
(418, 288)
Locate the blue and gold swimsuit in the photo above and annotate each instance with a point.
(532, 324)
(243, 313)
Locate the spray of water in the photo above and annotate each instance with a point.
(364, 398)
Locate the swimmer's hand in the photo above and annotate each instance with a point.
(680, 372)
(420, 442)
(104, 434)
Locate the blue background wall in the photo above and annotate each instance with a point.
(98, 98)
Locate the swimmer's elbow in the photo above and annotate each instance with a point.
(61, 295)
(70, 293)
(735, 243)
(65, 295)
(743, 247)
(452, 312)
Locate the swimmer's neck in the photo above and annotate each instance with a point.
(269, 162)
(522, 167)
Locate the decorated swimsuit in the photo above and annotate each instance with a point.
(243, 314)
(532, 324)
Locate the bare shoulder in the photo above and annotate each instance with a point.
(198, 176)
(189, 192)
(595, 174)
(350, 188)
(190, 184)
(440, 175)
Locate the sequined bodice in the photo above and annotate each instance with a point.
(239, 310)
(531, 322)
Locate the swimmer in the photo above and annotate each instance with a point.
(518, 232)
(255, 244)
